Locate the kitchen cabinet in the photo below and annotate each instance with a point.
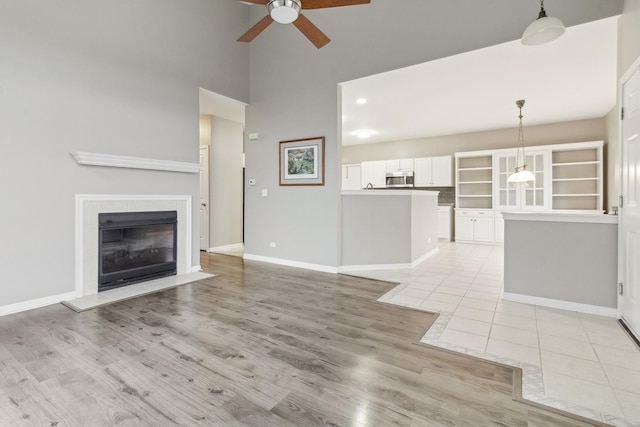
(399, 165)
(445, 222)
(433, 171)
(374, 173)
(351, 177)
(530, 196)
(474, 226)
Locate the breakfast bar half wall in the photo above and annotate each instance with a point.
(562, 260)
(386, 229)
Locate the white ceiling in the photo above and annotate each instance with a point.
(572, 78)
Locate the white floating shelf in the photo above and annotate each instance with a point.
(114, 161)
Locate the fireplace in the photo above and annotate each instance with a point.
(136, 246)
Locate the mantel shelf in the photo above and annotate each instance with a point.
(110, 160)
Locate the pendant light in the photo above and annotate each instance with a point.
(542, 30)
(521, 174)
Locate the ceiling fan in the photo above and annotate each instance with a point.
(288, 11)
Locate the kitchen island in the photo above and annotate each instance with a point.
(385, 229)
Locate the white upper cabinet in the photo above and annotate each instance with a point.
(400, 165)
(433, 171)
(515, 196)
(374, 173)
(351, 177)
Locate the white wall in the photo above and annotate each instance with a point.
(294, 95)
(114, 77)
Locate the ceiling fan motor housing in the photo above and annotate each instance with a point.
(284, 11)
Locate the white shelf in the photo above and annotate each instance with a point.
(591, 178)
(475, 182)
(576, 195)
(591, 162)
(475, 195)
(484, 168)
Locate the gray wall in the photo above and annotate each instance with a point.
(377, 230)
(574, 262)
(628, 35)
(294, 95)
(113, 77)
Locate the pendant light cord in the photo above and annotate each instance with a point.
(520, 104)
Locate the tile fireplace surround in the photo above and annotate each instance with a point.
(88, 206)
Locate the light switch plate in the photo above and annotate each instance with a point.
(264, 192)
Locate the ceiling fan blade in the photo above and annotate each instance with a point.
(313, 33)
(320, 4)
(254, 1)
(256, 29)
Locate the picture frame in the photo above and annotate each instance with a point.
(302, 161)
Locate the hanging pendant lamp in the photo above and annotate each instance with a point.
(542, 30)
(521, 174)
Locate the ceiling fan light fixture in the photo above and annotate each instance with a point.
(284, 11)
(543, 30)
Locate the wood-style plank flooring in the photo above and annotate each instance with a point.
(257, 345)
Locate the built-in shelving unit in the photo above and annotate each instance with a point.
(474, 181)
(568, 179)
(577, 178)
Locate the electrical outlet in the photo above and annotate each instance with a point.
(272, 244)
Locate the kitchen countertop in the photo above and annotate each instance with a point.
(388, 193)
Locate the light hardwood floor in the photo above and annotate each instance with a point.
(256, 345)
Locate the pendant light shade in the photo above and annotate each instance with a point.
(542, 30)
(521, 176)
(520, 173)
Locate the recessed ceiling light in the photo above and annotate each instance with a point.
(361, 101)
(364, 133)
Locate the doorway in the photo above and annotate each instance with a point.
(221, 186)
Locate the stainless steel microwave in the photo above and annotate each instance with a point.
(399, 179)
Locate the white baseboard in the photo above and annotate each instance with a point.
(289, 263)
(365, 267)
(233, 247)
(563, 305)
(431, 253)
(35, 303)
(196, 268)
(352, 268)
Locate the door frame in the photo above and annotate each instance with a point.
(204, 227)
(622, 254)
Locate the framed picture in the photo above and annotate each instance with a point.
(302, 161)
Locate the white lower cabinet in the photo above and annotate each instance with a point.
(474, 226)
(445, 231)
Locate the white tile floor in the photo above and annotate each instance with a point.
(581, 363)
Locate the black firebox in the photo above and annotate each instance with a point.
(135, 247)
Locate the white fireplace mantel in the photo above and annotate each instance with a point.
(115, 161)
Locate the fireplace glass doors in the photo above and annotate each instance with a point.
(135, 247)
